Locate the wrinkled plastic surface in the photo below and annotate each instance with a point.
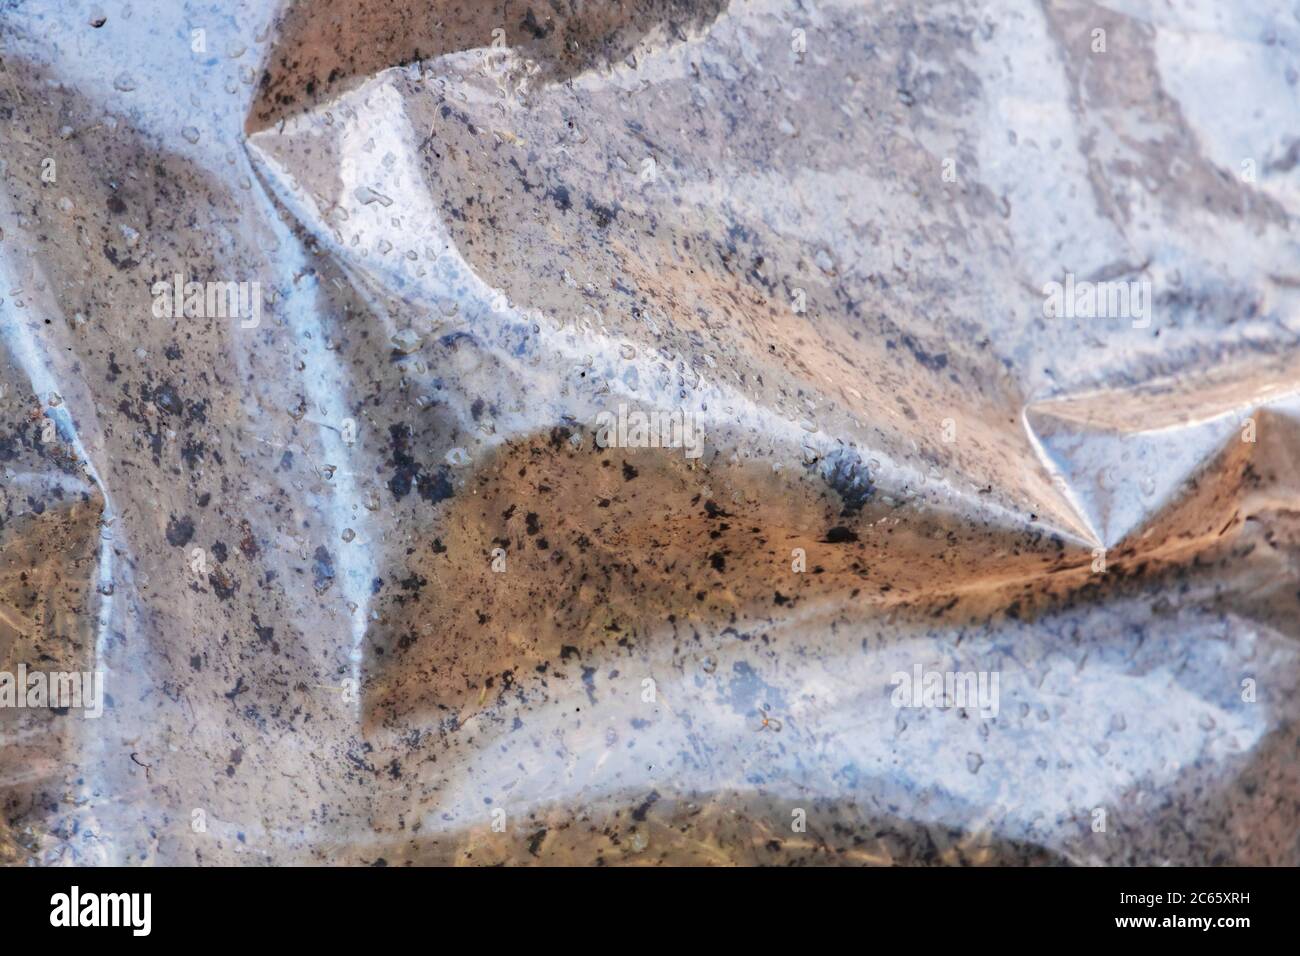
(469, 245)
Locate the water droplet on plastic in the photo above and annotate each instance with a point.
(406, 341)
(367, 196)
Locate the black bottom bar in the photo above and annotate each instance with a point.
(339, 906)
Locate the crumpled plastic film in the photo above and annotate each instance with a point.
(370, 578)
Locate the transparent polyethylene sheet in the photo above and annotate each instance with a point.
(652, 432)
